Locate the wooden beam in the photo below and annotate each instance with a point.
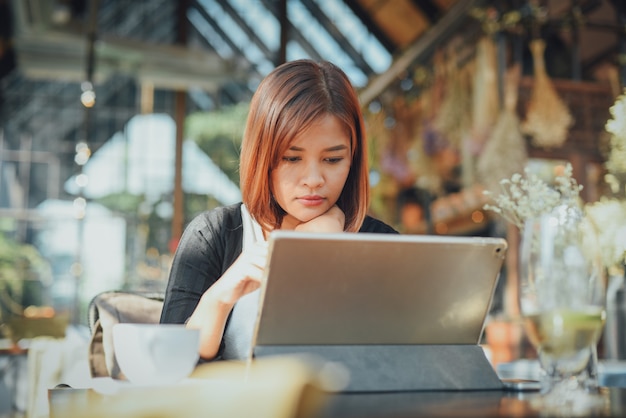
(365, 18)
(439, 33)
(180, 97)
(620, 10)
(338, 36)
(294, 33)
(250, 33)
(283, 18)
(429, 9)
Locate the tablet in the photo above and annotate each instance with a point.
(366, 288)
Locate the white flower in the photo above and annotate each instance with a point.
(527, 196)
(609, 218)
(616, 162)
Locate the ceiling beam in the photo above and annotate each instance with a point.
(245, 28)
(338, 36)
(372, 26)
(283, 22)
(294, 33)
(226, 87)
(442, 31)
(217, 28)
(56, 55)
(429, 9)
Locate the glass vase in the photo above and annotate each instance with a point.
(562, 299)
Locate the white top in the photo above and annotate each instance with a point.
(244, 314)
(252, 232)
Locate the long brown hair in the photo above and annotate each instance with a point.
(288, 100)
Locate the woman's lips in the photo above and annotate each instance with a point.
(311, 200)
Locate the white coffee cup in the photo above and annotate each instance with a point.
(155, 354)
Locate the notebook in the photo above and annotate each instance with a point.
(376, 289)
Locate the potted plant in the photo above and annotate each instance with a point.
(24, 277)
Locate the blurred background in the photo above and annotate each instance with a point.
(120, 120)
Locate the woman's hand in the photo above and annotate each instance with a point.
(333, 220)
(244, 276)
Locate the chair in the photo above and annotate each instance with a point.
(112, 307)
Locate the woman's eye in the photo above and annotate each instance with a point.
(334, 160)
(291, 159)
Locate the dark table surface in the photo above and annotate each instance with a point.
(461, 404)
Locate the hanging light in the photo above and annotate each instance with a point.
(82, 180)
(88, 96)
(80, 207)
(82, 153)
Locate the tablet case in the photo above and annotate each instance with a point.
(393, 368)
(401, 313)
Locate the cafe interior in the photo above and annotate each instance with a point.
(122, 120)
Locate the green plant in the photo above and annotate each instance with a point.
(23, 273)
(218, 133)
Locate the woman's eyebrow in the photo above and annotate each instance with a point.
(337, 148)
(333, 148)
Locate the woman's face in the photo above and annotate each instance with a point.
(311, 174)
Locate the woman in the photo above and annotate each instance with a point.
(303, 166)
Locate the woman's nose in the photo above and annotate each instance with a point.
(313, 176)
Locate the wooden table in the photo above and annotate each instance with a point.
(388, 405)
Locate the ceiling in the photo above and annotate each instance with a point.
(217, 50)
